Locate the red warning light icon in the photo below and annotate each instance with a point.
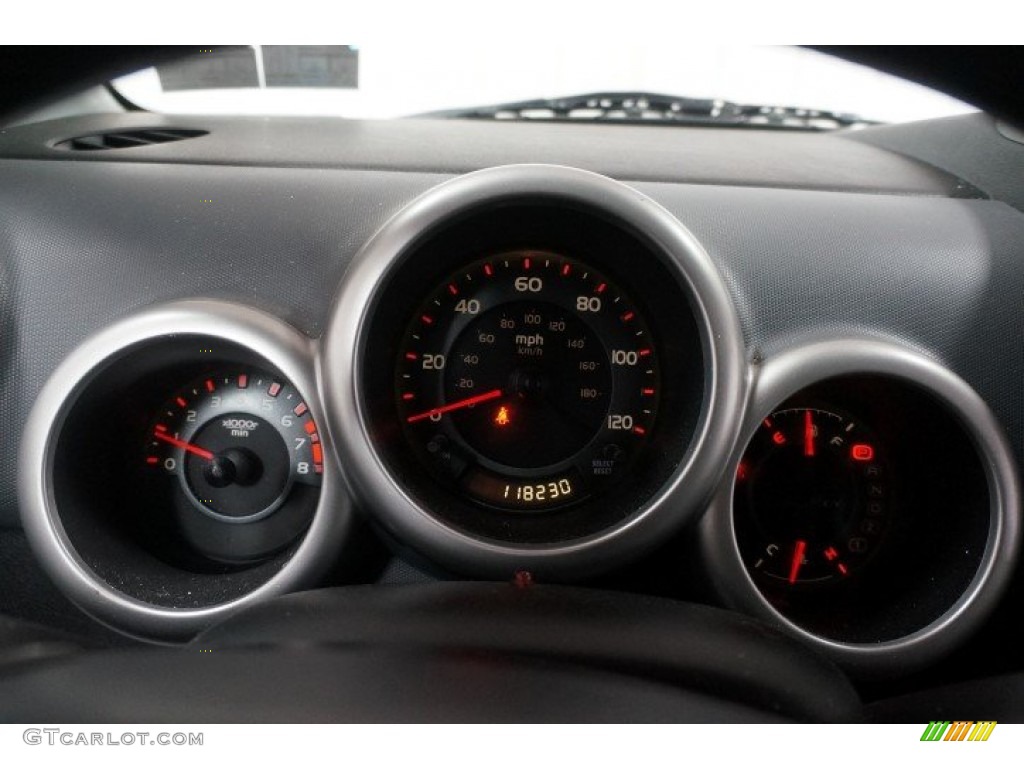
(862, 452)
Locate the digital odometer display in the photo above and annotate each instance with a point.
(527, 381)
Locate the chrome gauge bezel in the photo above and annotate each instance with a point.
(343, 373)
(268, 339)
(795, 369)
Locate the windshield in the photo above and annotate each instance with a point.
(407, 78)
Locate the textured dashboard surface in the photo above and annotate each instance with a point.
(974, 147)
(706, 155)
(82, 244)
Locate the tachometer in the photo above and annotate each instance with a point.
(244, 460)
(527, 381)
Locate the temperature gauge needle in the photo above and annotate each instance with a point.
(456, 405)
(200, 452)
(798, 560)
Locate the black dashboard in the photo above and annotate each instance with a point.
(777, 373)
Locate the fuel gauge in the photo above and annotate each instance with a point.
(811, 497)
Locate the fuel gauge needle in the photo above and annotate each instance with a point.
(808, 434)
(798, 560)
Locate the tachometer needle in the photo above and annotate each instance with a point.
(798, 560)
(456, 405)
(808, 434)
(200, 452)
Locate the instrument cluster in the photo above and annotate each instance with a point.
(528, 370)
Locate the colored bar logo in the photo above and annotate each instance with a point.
(958, 731)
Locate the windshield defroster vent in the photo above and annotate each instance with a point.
(124, 139)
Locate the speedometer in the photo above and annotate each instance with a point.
(533, 368)
(527, 381)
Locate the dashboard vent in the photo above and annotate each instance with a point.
(123, 139)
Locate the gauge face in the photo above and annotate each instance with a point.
(527, 381)
(810, 498)
(240, 442)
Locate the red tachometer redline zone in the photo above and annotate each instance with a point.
(527, 367)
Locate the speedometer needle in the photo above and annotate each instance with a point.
(456, 405)
(191, 448)
(798, 560)
(808, 434)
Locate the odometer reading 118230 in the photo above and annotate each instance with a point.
(527, 381)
